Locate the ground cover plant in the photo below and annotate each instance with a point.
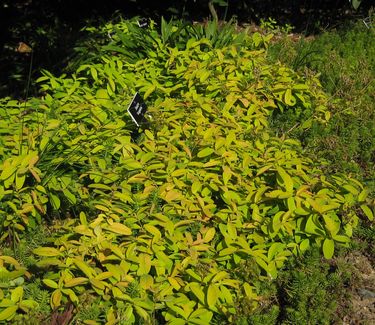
(345, 62)
(179, 221)
(306, 292)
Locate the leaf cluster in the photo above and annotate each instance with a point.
(154, 223)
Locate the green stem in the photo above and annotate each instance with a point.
(212, 10)
(26, 95)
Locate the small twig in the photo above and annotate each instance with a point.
(292, 128)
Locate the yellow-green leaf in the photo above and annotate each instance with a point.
(153, 230)
(228, 251)
(56, 299)
(144, 264)
(83, 230)
(16, 294)
(8, 170)
(10, 260)
(362, 196)
(328, 248)
(50, 283)
(213, 293)
(341, 238)
(131, 164)
(304, 245)
(146, 281)
(174, 283)
(367, 211)
(196, 187)
(227, 174)
(141, 312)
(172, 195)
(287, 180)
(70, 196)
(120, 229)
(55, 201)
(289, 99)
(8, 313)
(351, 189)
(20, 180)
(75, 282)
(197, 290)
(249, 290)
(149, 91)
(46, 251)
(205, 152)
(209, 235)
(263, 169)
(28, 304)
(83, 266)
(332, 224)
(100, 285)
(219, 276)
(104, 275)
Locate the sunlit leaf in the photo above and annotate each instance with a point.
(328, 248)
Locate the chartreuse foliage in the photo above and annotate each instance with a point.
(153, 224)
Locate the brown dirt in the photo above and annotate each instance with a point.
(362, 292)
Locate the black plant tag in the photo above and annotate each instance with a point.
(137, 109)
(143, 22)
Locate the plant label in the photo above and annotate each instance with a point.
(137, 109)
(143, 22)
